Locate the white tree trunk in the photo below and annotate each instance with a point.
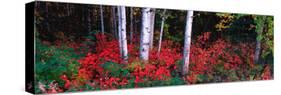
(152, 19)
(101, 15)
(257, 51)
(131, 25)
(119, 31)
(258, 41)
(161, 33)
(187, 42)
(122, 33)
(145, 34)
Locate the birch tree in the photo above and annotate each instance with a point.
(260, 20)
(101, 17)
(119, 31)
(122, 33)
(187, 42)
(152, 19)
(145, 34)
(161, 32)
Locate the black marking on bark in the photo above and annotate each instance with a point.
(147, 11)
(145, 43)
(150, 10)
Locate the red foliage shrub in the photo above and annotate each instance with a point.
(158, 68)
(204, 56)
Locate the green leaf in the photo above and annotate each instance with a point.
(177, 81)
(259, 37)
(112, 68)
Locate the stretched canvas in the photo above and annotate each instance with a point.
(86, 47)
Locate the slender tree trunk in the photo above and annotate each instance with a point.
(119, 30)
(89, 18)
(131, 25)
(161, 33)
(145, 34)
(257, 51)
(136, 26)
(70, 9)
(187, 42)
(260, 25)
(67, 9)
(112, 27)
(152, 19)
(47, 17)
(122, 33)
(114, 22)
(101, 17)
(206, 24)
(111, 24)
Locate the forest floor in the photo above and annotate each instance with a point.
(96, 65)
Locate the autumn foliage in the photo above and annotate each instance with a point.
(211, 61)
(94, 47)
